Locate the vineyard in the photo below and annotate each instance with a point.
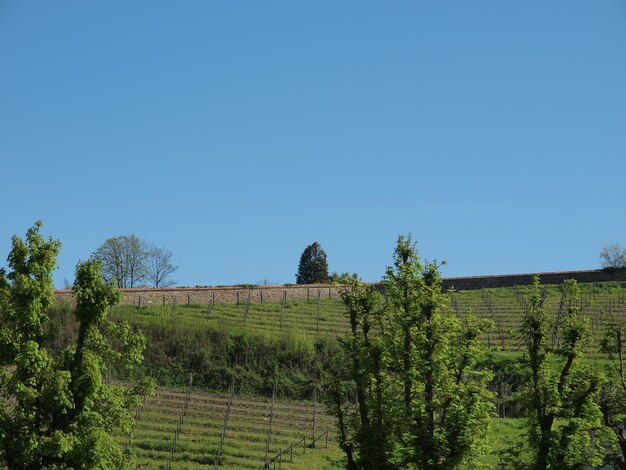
(192, 428)
(323, 316)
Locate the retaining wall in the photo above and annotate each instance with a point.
(242, 294)
(229, 294)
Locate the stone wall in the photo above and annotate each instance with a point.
(228, 294)
(509, 280)
(239, 294)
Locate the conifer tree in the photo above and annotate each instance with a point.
(313, 267)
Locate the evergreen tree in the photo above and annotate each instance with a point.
(313, 267)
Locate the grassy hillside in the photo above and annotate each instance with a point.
(325, 319)
(283, 347)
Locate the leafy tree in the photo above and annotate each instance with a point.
(129, 261)
(613, 256)
(560, 406)
(435, 363)
(358, 387)
(123, 260)
(417, 350)
(613, 397)
(56, 412)
(343, 278)
(313, 267)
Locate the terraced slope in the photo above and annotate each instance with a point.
(326, 317)
(505, 306)
(184, 430)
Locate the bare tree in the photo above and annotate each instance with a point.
(613, 256)
(160, 267)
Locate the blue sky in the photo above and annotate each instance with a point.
(237, 133)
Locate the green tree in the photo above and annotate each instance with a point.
(56, 412)
(129, 261)
(359, 385)
(123, 260)
(559, 401)
(409, 390)
(313, 267)
(613, 397)
(435, 363)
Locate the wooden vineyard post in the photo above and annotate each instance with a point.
(188, 299)
(181, 419)
(173, 304)
(261, 295)
(139, 302)
(329, 293)
(209, 307)
(282, 309)
(269, 431)
(304, 445)
(218, 454)
(314, 415)
(308, 297)
(247, 309)
(164, 300)
(318, 311)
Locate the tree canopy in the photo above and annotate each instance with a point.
(408, 389)
(129, 261)
(57, 413)
(313, 267)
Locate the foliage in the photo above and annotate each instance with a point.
(218, 355)
(559, 407)
(130, 262)
(313, 267)
(417, 350)
(343, 278)
(360, 377)
(56, 412)
(613, 396)
(613, 256)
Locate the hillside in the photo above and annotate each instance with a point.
(240, 353)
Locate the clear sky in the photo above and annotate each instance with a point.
(235, 133)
